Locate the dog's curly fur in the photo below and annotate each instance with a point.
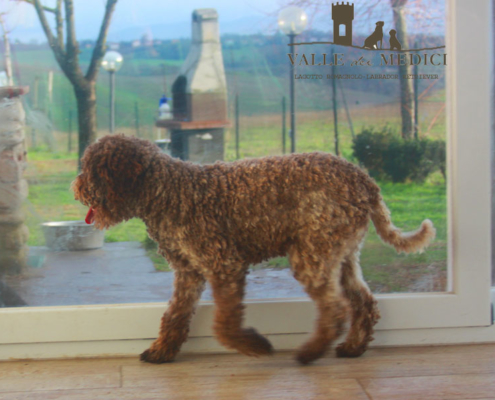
(212, 221)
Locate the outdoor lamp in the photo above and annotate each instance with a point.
(292, 21)
(112, 62)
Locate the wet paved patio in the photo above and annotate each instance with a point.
(120, 273)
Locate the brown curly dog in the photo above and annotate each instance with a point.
(212, 221)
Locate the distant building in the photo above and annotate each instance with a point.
(86, 44)
(147, 39)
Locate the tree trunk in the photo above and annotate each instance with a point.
(86, 112)
(8, 59)
(406, 85)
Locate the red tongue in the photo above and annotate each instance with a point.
(91, 216)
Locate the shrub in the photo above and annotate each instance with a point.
(389, 157)
(436, 153)
(368, 147)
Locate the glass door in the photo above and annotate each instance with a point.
(95, 297)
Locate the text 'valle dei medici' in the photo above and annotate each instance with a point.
(337, 59)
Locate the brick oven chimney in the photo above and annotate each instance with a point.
(200, 90)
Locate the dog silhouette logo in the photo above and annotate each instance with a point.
(343, 16)
(394, 42)
(372, 40)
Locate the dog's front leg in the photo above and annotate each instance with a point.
(174, 329)
(228, 294)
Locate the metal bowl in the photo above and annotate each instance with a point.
(72, 235)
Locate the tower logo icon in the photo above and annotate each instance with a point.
(342, 15)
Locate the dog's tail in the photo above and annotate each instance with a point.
(409, 242)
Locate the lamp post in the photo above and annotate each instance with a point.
(292, 21)
(112, 61)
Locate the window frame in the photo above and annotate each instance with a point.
(462, 314)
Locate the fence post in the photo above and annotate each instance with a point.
(136, 117)
(237, 127)
(416, 98)
(70, 132)
(284, 126)
(35, 107)
(334, 94)
(349, 119)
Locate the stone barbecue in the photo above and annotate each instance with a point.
(199, 95)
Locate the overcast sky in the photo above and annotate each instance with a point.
(235, 15)
(132, 13)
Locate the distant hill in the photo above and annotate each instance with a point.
(242, 26)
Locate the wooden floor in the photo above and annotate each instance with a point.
(427, 373)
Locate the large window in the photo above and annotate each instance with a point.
(421, 131)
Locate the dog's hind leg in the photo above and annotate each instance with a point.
(321, 280)
(174, 328)
(365, 312)
(228, 294)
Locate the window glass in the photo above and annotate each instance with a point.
(381, 105)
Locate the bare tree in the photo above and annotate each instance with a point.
(425, 12)
(8, 59)
(66, 51)
(406, 85)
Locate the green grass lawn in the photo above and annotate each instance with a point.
(261, 91)
(50, 199)
(260, 86)
(410, 204)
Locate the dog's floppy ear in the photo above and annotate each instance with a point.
(120, 170)
(120, 164)
(117, 166)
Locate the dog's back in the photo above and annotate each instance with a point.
(256, 209)
(267, 201)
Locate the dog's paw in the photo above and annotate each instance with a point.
(344, 350)
(307, 354)
(251, 343)
(155, 356)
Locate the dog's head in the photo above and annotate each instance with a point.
(380, 24)
(393, 32)
(111, 181)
